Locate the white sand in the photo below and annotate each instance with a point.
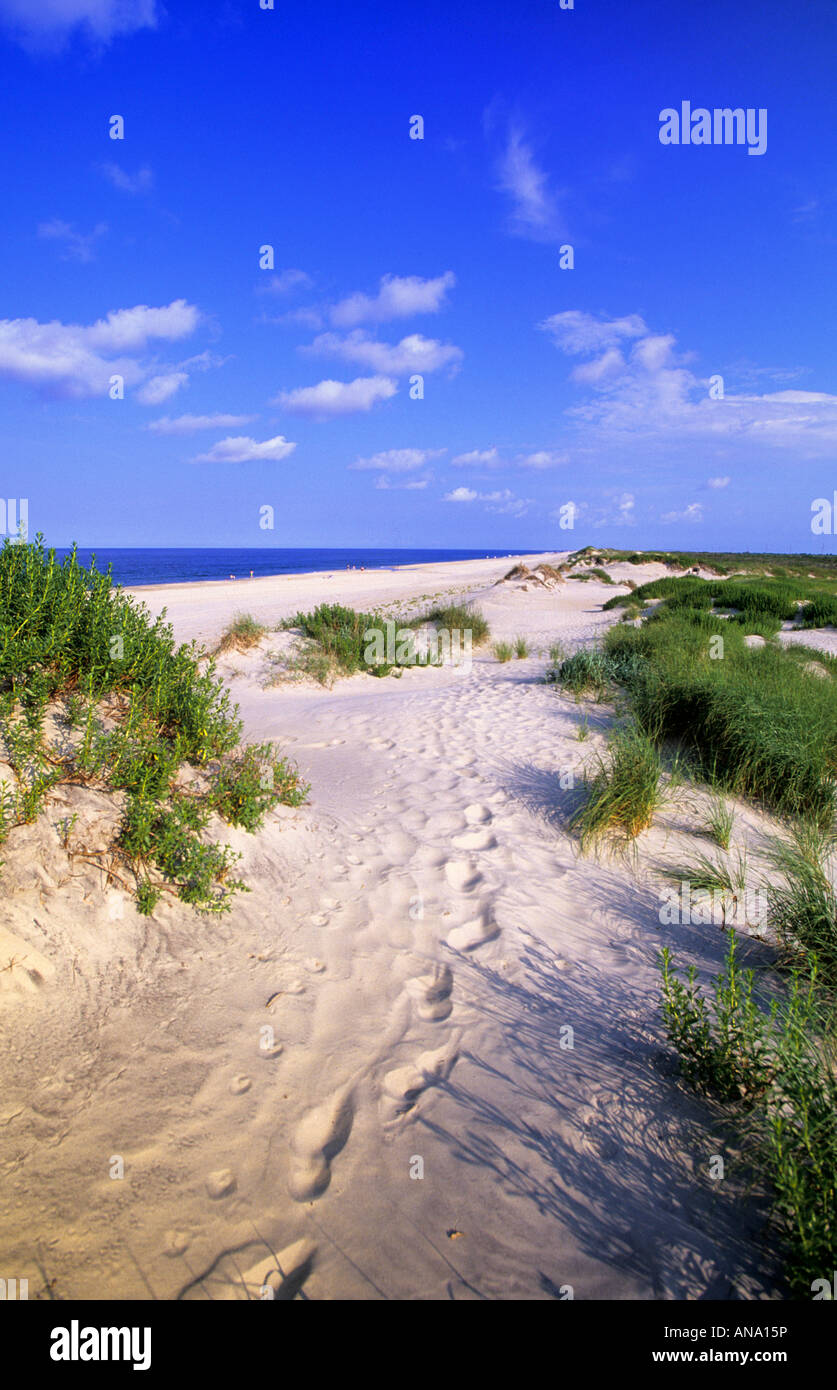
(393, 995)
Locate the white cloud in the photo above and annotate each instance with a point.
(412, 484)
(48, 23)
(190, 424)
(718, 482)
(542, 459)
(502, 501)
(286, 282)
(73, 361)
(536, 214)
(398, 460)
(693, 512)
(77, 246)
(244, 450)
(413, 354)
(479, 458)
(398, 297)
(643, 388)
(330, 398)
(577, 332)
(618, 509)
(161, 388)
(130, 329)
(610, 364)
(296, 318)
(140, 182)
(538, 461)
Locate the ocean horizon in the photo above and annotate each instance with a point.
(136, 566)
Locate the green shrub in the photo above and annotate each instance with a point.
(71, 642)
(781, 1066)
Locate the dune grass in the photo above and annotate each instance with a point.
(625, 791)
(803, 903)
(503, 651)
(751, 717)
(458, 617)
(342, 642)
(243, 632)
(132, 710)
(776, 1064)
(719, 821)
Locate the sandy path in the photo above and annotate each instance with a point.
(425, 979)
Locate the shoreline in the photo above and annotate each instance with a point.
(333, 572)
(203, 608)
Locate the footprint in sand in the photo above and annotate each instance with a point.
(445, 823)
(477, 932)
(404, 1085)
(284, 1274)
(462, 875)
(433, 993)
(220, 1183)
(318, 1139)
(475, 839)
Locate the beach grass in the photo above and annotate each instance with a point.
(78, 654)
(625, 791)
(243, 632)
(774, 1063)
(342, 642)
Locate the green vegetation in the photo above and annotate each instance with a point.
(752, 719)
(521, 648)
(503, 651)
(748, 600)
(625, 791)
(244, 632)
(131, 710)
(720, 821)
(803, 904)
(824, 567)
(457, 617)
(780, 1067)
(341, 641)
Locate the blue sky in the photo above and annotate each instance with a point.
(395, 257)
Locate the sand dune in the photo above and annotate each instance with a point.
(421, 1059)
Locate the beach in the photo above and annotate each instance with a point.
(422, 1057)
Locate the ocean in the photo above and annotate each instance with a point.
(133, 567)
